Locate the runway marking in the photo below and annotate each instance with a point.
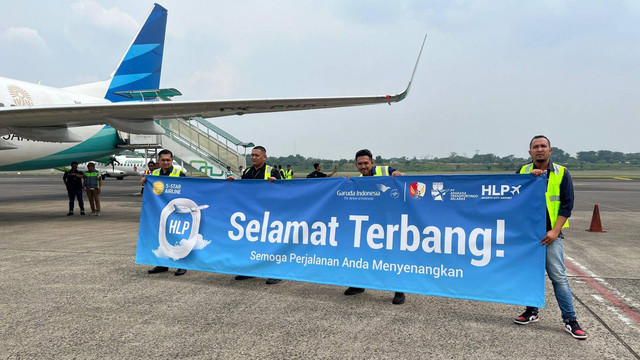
(613, 295)
(606, 206)
(622, 178)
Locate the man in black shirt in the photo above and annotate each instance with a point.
(317, 173)
(73, 180)
(260, 171)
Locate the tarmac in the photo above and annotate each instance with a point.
(70, 289)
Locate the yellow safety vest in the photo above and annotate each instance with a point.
(267, 171)
(380, 171)
(288, 174)
(95, 175)
(175, 172)
(553, 191)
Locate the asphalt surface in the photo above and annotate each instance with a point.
(70, 289)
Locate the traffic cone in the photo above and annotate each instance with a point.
(596, 224)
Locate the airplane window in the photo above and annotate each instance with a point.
(1, 105)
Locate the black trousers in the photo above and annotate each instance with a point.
(75, 194)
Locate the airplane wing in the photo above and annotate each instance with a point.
(143, 112)
(51, 122)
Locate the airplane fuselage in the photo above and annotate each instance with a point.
(20, 153)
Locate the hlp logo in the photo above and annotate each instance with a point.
(492, 190)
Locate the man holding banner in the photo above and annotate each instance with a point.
(366, 166)
(559, 197)
(259, 170)
(165, 160)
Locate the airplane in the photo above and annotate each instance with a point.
(120, 166)
(44, 127)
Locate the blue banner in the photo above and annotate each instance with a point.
(464, 236)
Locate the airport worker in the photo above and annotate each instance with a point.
(261, 171)
(559, 197)
(282, 174)
(317, 173)
(288, 174)
(73, 180)
(151, 165)
(165, 160)
(366, 167)
(228, 173)
(240, 170)
(92, 185)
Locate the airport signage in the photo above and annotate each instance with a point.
(463, 236)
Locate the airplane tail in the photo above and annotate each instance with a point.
(141, 65)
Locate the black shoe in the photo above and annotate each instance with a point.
(180, 272)
(398, 298)
(527, 317)
(81, 212)
(574, 329)
(353, 291)
(243, 277)
(157, 269)
(70, 213)
(273, 281)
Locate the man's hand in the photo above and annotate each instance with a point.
(551, 236)
(98, 191)
(397, 173)
(230, 178)
(272, 179)
(538, 172)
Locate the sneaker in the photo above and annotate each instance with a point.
(398, 299)
(353, 291)
(528, 316)
(574, 329)
(92, 213)
(97, 213)
(180, 272)
(82, 212)
(70, 213)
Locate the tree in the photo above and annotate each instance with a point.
(587, 156)
(560, 156)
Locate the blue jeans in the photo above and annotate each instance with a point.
(75, 194)
(557, 274)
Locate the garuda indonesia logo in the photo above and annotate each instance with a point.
(20, 96)
(182, 248)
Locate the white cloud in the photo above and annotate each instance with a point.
(23, 36)
(217, 82)
(113, 18)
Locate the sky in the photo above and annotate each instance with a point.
(492, 75)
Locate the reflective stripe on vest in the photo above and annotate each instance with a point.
(553, 191)
(92, 179)
(175, 172)
(380, 171)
